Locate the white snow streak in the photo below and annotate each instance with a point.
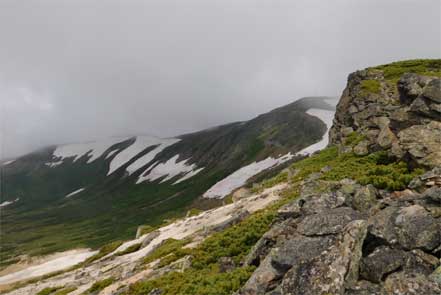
(140, 144)
(188, 175)
(6, 203)
(239, 177)
(327, 117)
(147, 158)
(170, 169)
(75, 192)
(8, 162)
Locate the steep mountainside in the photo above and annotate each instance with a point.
(362, 216)
(87, 194)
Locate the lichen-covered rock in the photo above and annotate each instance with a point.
(327, 222)
(404, 283)
(381, 262)
(411, 227)
(333, 270)
(405, 122)
(365, 198)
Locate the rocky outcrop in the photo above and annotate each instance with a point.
(346, 238)
(401, 117)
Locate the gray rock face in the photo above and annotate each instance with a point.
(410, 227)
(346, 238)
(405, 122)
(382, 261)
(331, 271)
(410, 284)
(331, 221)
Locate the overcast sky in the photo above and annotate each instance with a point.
(79, 70)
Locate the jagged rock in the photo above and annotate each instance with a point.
(329, 221)
(433, 91)
(434, 194)
(410, 284)
(411, 86)
(422, 142)
(416, 228)
(381, 262)
(365, 198)
(386, 138)
(282, 257)
(332, 271)
(421, 262)
(226, 264)
(361, 149)
(411, 227)
(261, 249)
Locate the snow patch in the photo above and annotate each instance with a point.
(170, 169)
(75, 192)
(93, 150)
(8, 162)
(140, 144)
(188, 175)
(6, 203)
(327, 117)
(240, 177)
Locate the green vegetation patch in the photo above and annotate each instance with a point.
(377, 168)
(168, 247)
(204, 277)
(65, 291)
(427, 67)
(130, 249)
(370, 86)
(104, 250)
(208, 281)
(353, 139)
(98, 286)
(48, 290)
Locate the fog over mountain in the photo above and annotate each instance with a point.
(80, 70)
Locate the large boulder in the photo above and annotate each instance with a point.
(333, 270)
(410, 227)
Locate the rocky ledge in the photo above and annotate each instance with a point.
(401, 117)
(345, 238)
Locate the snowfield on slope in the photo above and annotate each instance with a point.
(237, 179)
(93, 150)
(140, 144)
(170, 169)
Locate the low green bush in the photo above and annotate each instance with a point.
(130, 249)
(48, 290)
(428, 67)
(98, 286)
(104, 250)
(370, 86)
